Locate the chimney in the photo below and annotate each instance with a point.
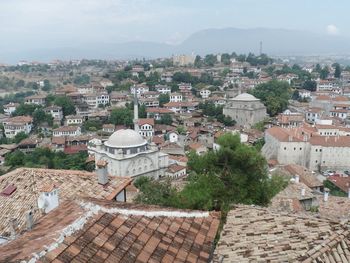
(303, 191)
(29, 220)
(325, 194)
(13, 227)
(48, 198)
(102, 172)
(290, 138)
(297, 179)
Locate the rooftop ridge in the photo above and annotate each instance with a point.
(140, 212)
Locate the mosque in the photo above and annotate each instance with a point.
(127, 153)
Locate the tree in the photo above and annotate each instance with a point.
(66, 103)
(324, 73)
(198, 62)
(82, 79)
(163, 99)
(40, 116)
(25, 109)
(226, 59)
(20, 83)
(142, 111)
(210, 60)
(47, 85)
(310, 85)
(19, 137)
(274, 94)
(337, 70)
(121, 116)
(235, 173)
(166, 119)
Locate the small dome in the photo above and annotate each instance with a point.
(125, 139)
(245, 97)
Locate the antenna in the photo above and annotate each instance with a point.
(261, 48)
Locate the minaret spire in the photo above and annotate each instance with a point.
(136, 111)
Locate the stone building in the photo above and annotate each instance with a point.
(245, 109)
(127, 153)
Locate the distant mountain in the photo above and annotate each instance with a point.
(275, 42)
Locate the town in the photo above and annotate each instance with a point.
(116, 160)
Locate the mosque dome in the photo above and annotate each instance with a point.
(245, 97)
(125, 138)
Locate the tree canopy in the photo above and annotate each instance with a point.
(236, 173)
(274, 94)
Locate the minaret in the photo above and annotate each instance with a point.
(136, 111)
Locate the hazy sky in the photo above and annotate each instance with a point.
(51, 23)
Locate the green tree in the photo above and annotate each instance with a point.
(66, 103)
(163, 99)
(337, 70)
(198, 62)
(226, 59)
(47, 85)
(121, 116)
(310, 85)
(142, 111)
(19, 137)
(25, 109)
(274, 94)
(166, 119)
(82, 79)
(210, 60)
(324, 73)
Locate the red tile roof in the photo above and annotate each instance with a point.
(144, 121)
(117, 232)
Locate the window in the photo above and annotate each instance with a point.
(285, 148)
(301, 148)
(316, 150)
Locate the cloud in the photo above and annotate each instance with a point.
(332, 30)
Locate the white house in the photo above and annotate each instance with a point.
(140, 89)
(70, 131)
(205, 93)
(74, 120)
(175, 171)
(304, 94)
(36, 99)
(173, 136)
(175, 97)
(146, 127)
(10, 108)
(55, 111)
(163, 89)
(15, 125)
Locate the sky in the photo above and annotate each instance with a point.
(28, 24)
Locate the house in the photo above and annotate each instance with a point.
(140, 89)
(146, 127)
(313, 114)
(94, 100)
(66, 131)
(92, 230)
(163, 89)
(108, 128)
(204, 93)
(15, 125)
(28, 145)
(74, 120)
(173, 136)
(175, 171)
(157, 113)
(167, 77)
(198, 148)
(22, 191)
(55, 111)
(149, 102)
(175, 97)
(181, 107)
(118, 99)
(10, 108)
(304, 94)
(305, 176)
(36, 99)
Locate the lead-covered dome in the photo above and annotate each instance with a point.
(245, 97)
(125, 138)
